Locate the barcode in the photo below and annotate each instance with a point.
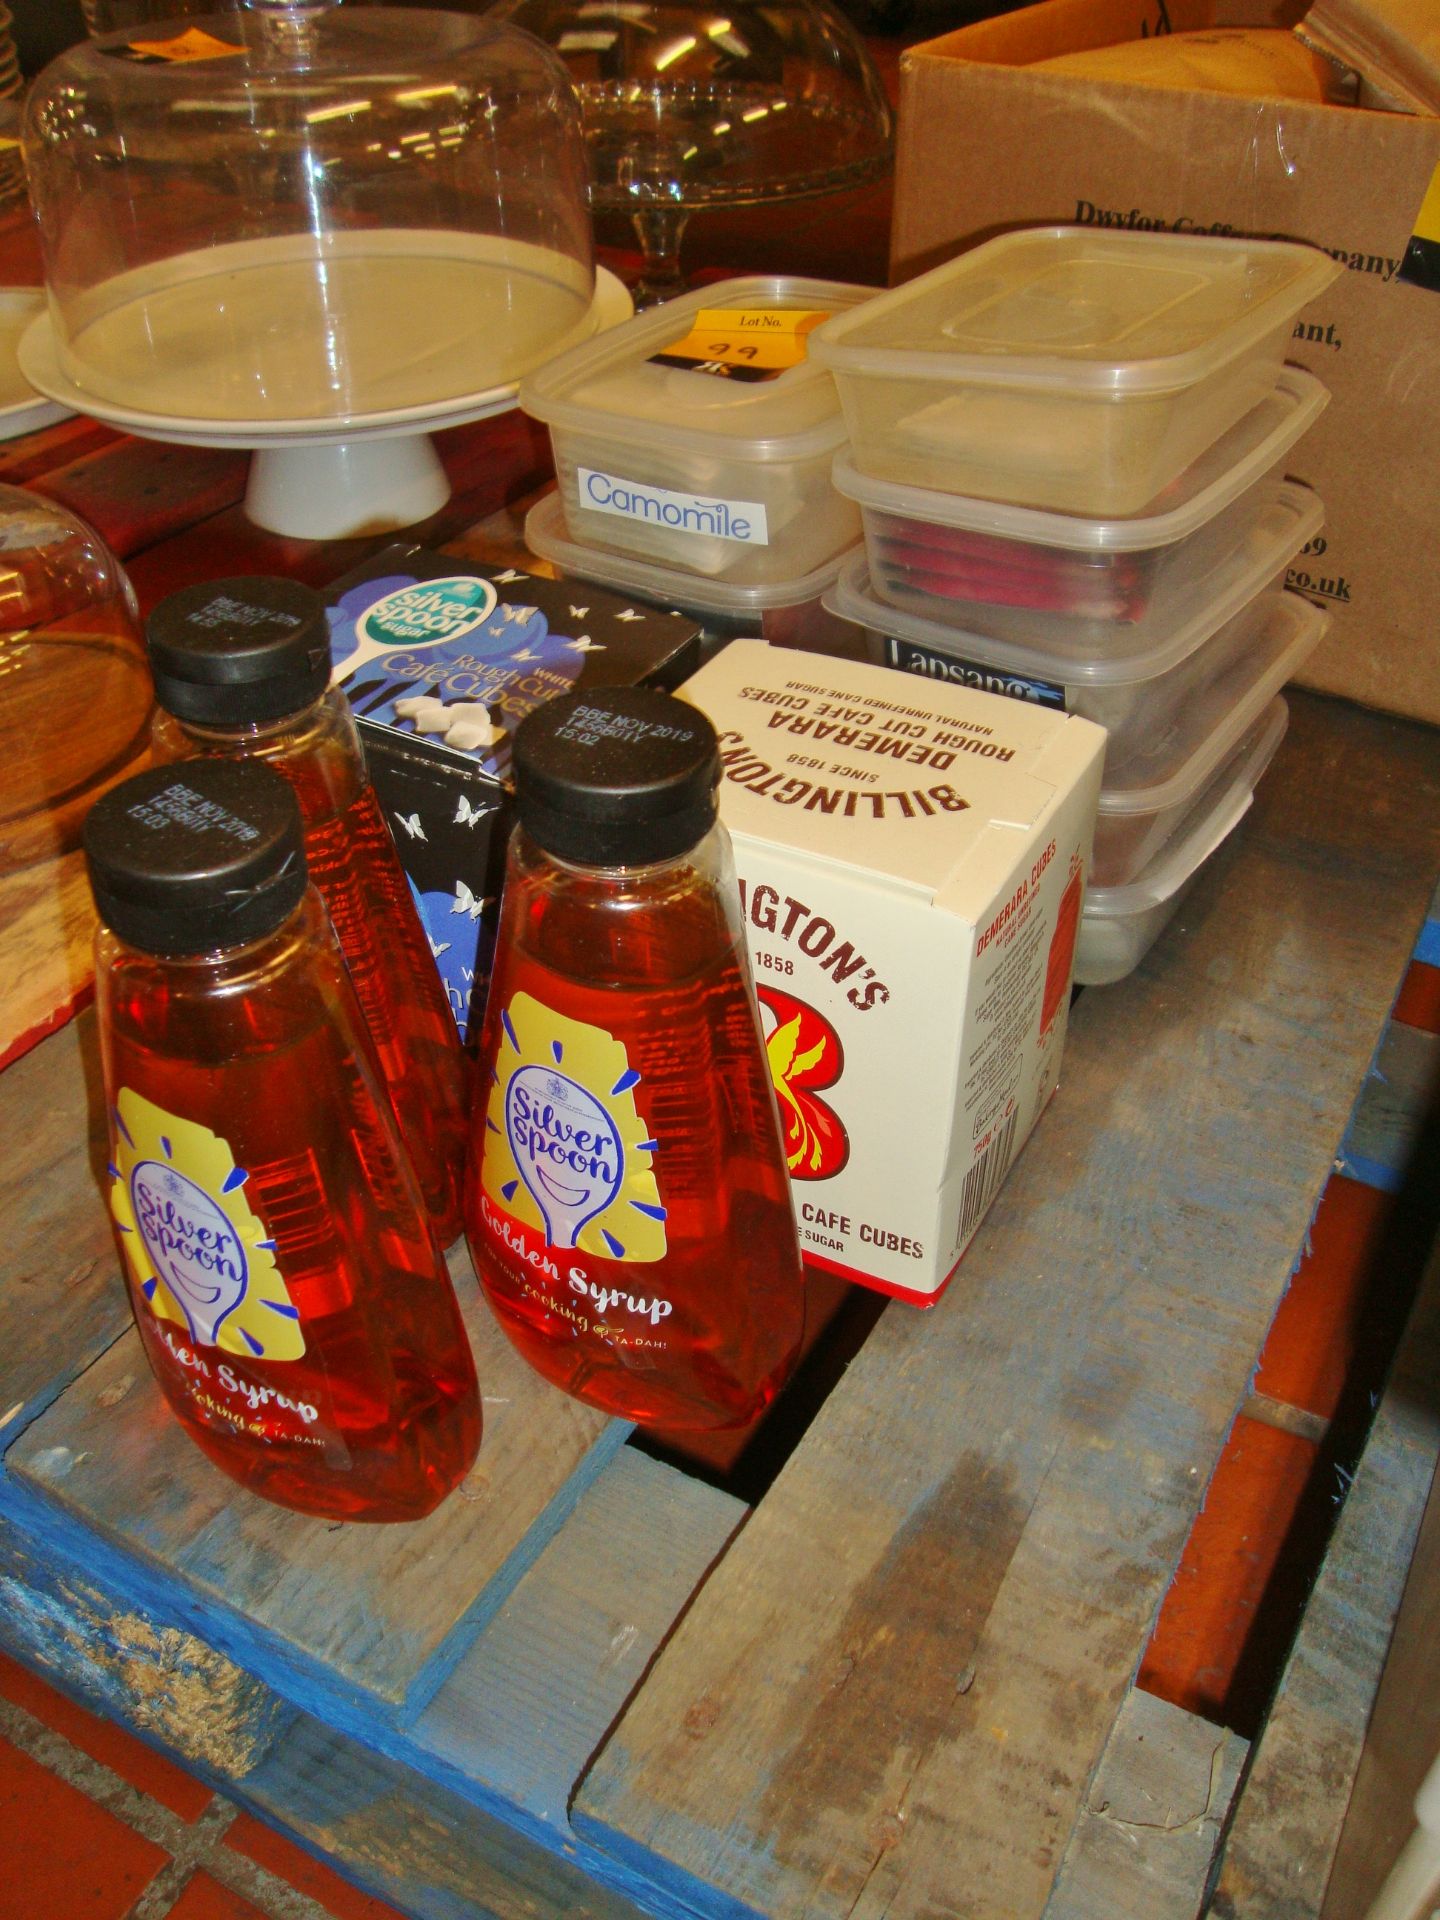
(982, 1182)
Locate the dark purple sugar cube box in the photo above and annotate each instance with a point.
(441, 659)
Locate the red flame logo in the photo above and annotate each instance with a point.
(805, 1054)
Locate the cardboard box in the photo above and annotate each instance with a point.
(441, 659)
(911, 859)
(986, 144)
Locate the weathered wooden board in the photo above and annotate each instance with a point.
(412, 1841)
(137, 492)
(1289, 1819)
(1402, 1088)
(1145, 1840)
(1403, 1738)
(383, 1611)
(462, 1814)
(535, 1696)
(30, 455)
(132, 1663)
(62, 1298)
(892, 1694)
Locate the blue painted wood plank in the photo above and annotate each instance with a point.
(1427, 947)
(379, 1821)
(532, 1701)
(463, 1812)
(891, 1693)
(1400, 1091)
(133, 1663)
(414, 1842)
(350, 1612)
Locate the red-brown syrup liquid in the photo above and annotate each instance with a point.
(387, 1377)
(666, 978)
(352, 860)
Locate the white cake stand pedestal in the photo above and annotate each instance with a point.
(332, 479)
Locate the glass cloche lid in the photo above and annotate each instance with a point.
(300, 210)
(690, 104)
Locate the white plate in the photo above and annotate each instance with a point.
(22, 409)
(40, 364)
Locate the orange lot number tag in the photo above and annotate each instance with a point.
(743, 343)
(193, 44)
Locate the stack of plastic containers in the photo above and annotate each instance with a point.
(693, 447)
(1068, 449)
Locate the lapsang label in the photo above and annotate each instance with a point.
(199, 1254)
(566, 1150)
(910, 658)
(685, 513)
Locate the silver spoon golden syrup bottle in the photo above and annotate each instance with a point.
(242, 669)
(627, 1202)
(285, 1278)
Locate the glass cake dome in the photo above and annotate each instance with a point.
(307, 211)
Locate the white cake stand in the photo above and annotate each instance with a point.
(325, 479)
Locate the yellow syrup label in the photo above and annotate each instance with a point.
(1421, 265)
(193, 44)
(198, 1252)
(744, 343)
(566, 1150)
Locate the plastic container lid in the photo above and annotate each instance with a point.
(546, 533)
(614, 384)
(1294, 628)
(1294, 516)
(1235, 461)
(1179, 858)
(620, 776)
(197, 857)
(1107, 315)
(1119, 925)
(253, 647)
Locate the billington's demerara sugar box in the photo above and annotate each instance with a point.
(912, 861)
(442, 658)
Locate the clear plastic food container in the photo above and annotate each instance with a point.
(1073, 585)
(700, 434)
(1136, 822)
(1120, 924)
(1067, 368)
(788, 613)
(1158, 707)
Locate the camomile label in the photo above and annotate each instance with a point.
(566, 1150)
(428, 610)
(199, 1254)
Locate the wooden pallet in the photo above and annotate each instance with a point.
(901, 1682)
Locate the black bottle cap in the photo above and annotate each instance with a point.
(191, 858)
(252, 647)
(616, 776)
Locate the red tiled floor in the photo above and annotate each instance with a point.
(111, 1745)
(292, 1864)
(81, 1863)
(1418, 1004)
(205, 1899)
(1310, 1347)
(1207, 1622)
